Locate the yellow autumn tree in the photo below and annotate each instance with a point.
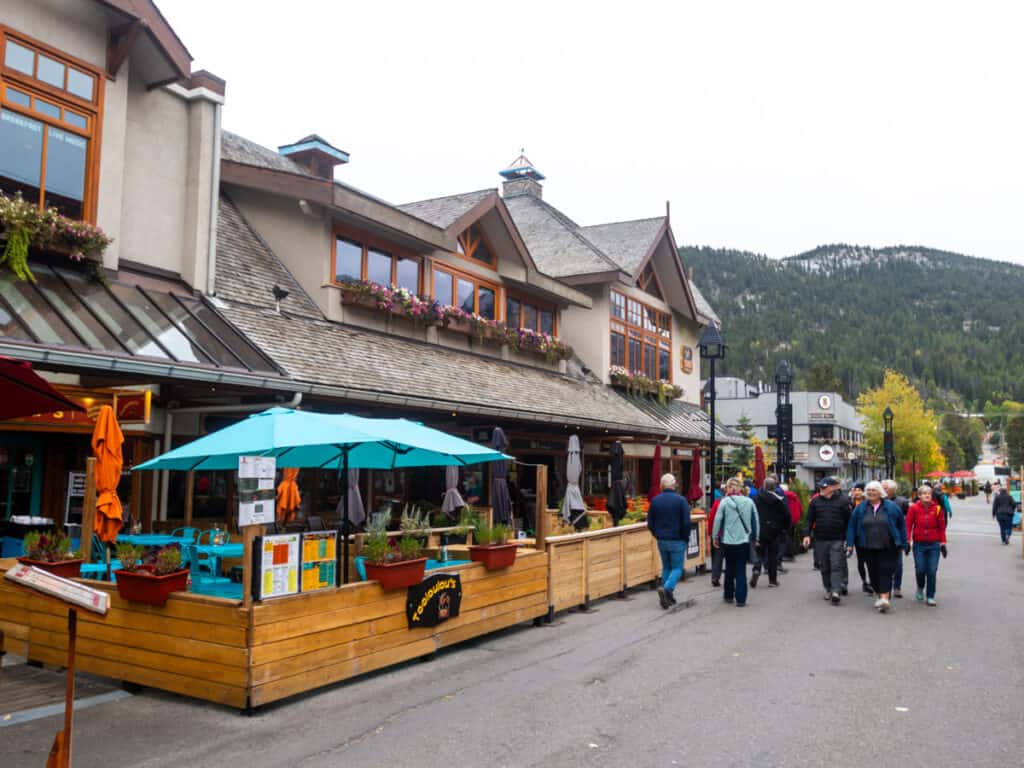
(915, 428)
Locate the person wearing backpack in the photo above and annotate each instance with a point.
(735, 532)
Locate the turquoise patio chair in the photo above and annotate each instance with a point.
(186, 533)
(207, 536)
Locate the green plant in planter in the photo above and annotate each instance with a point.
(487, 536)
(50, 547)
(377, 547)
(168, 560)
(409, 548)
(130, 556)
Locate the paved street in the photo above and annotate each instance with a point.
(788, 681)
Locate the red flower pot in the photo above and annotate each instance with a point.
(398, 575)
(66, 569)
(144, 586)
(494, 556)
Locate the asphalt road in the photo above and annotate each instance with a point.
(787, 681)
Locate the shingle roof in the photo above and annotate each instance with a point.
(554, 240)
(703, 307)
(237, 149)
(686, 420)
(247, 270)
(444, 211)
(625, 242)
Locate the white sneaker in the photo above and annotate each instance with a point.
(886, 605)
(878, 604)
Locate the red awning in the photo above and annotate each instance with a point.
(24, 393)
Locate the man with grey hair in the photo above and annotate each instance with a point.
(668, 519)
(891, 490)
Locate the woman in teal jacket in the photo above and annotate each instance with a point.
(879, 530)
(735, 527)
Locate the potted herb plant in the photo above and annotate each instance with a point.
(491, 548)
(150, 584)
(51, 551)
(394, 569)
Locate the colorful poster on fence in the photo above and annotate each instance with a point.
(279, 565)
(319, 560)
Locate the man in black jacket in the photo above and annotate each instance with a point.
(774, 519)
(1002, 511)
(828, 514)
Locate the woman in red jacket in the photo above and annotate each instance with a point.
(926, 527)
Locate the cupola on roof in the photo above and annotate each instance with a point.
(522, 168)
(316, 154)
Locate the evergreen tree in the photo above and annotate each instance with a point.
(743, 455)
(822, 378)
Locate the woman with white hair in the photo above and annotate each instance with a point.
(878, 527)
(735, 529)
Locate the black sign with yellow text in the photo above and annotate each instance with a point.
(435, 599)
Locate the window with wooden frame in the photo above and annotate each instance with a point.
(641, 337)
(467, 292)
(50, 111)
(473, 245)
(521, 312)
(358, 257)
(648, 282)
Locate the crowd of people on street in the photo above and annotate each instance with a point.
(759, 525)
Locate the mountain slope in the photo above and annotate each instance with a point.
(950, 322)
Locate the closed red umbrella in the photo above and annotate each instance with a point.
(23, 392)
(655, 488)
(759, 471)
(695, 492)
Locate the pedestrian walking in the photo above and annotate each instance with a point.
(1002, 511)
(668, 519)
(717, 553)
(856, 497)
(926, 528)
(988, 491)
(736, 528)
(773, 516)
(796, 512)
(828, 516)
(891, 487)
(879, 528)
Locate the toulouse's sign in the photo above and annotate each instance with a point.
(435, 599)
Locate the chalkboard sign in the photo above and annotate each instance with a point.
(435, 599)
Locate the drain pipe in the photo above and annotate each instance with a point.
(165, 475)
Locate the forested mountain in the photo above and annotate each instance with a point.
(949, 322)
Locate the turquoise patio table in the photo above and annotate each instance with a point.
(148, 539)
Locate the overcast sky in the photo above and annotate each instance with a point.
(770, 126)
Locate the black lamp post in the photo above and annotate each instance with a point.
(783, 420)
(712, 347)
(888, 443)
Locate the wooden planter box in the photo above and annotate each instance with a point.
(66, 569)
(494, 556)
(397, 575)
(144, 586)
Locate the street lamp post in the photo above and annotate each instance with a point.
(783, 419)
(712, 347)
(888, 443)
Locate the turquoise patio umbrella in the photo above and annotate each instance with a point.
(322, 440)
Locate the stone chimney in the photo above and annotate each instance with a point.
(315, 155)
(521, 178)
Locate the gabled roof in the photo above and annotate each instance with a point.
(252, 268)
(444, 211)
(707, 314)
(555, 240)
(626, 243)
(236, 149)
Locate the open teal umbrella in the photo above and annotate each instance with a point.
(323, 440)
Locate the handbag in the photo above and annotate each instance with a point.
(754, 557)
(1016, 520)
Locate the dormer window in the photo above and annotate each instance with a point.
(49, 126)
(641, 338)
(648, 282)
(357, 258)
(473, 245)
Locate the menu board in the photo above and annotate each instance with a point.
(256, 493)
(278, 564)
(67, 590)
(319, 560)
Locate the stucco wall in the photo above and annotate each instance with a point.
(586, 330)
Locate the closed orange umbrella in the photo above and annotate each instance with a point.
(106, 447)
(288, 498)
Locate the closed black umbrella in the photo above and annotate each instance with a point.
(501, 502)
(617, 493)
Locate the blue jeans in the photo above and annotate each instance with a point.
(673, 558)
(1005, 526)
(926, 563)
(736, 556)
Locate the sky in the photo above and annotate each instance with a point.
(772, 127)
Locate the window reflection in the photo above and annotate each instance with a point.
(21, 154)
(65, 171)
(464, 296)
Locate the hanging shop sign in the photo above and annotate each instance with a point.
(826, 453)
(434, 600)
(256, 494)
(686, 359)
(319, 560)
(133, 407)
(277, 565)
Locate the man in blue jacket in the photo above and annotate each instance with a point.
(668, 519)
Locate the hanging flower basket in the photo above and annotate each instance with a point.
(404, 573)
(144, 586)
(494, 556)
(66, 569)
